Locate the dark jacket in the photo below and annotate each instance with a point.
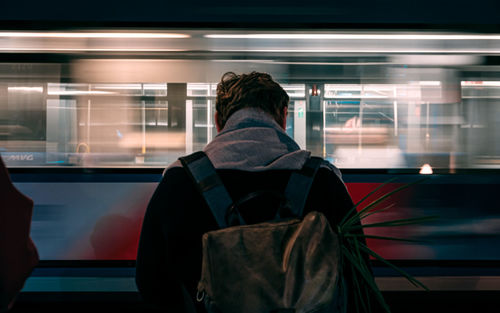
(18, 254)
(169, 257)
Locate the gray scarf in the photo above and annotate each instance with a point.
(252, 141)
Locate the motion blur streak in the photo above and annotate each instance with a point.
(91, 35)
(74, 105)
(384, 99)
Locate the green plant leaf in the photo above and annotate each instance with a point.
(410, 278)
(364, 198)
(363, 264)
(394, 223)
(374, 203)
(367, 277)
(374, 211)
(357, 291)
(357, 252)
(384, 238)
(366, 272)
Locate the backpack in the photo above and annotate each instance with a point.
(289, 264)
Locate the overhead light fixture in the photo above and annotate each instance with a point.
(133, 35)
(429, 83)
(355, 36)
(25, 89)
(438, 59)
(300, 63)
(92, 49)
(119, 86)
(481, 83)
(355, 97)
(360, 50)
(78, 93)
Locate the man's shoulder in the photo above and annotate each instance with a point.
(175, 177)
(176, 174)
(176, 168)
(329, 166)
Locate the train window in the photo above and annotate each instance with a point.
(201, 90)
(23, 122)
(360, 125)
(200, 108)
(296, 118)
(295, 91)
(481, 122)
(356, 125)
(361, 100)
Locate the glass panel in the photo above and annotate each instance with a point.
(295, 90)
(359, 126)
(296, 117)
(203, 110)
(201, 90)
(481, 123)
(154, 89)
(65, 89)
(362, 100)
(23, 122)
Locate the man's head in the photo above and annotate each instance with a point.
(253, 90)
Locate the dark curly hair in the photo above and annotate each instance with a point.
(253, 90)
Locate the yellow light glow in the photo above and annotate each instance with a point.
(426, 169)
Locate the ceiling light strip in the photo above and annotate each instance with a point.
(93, 35)
(355, 36)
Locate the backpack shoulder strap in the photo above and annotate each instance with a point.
(209, 185)
(300, 183)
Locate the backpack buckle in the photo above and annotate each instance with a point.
(200, 295)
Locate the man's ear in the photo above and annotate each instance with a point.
(218, 124)
(285, 113)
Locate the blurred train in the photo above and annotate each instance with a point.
(89, 119)
(361, 100)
